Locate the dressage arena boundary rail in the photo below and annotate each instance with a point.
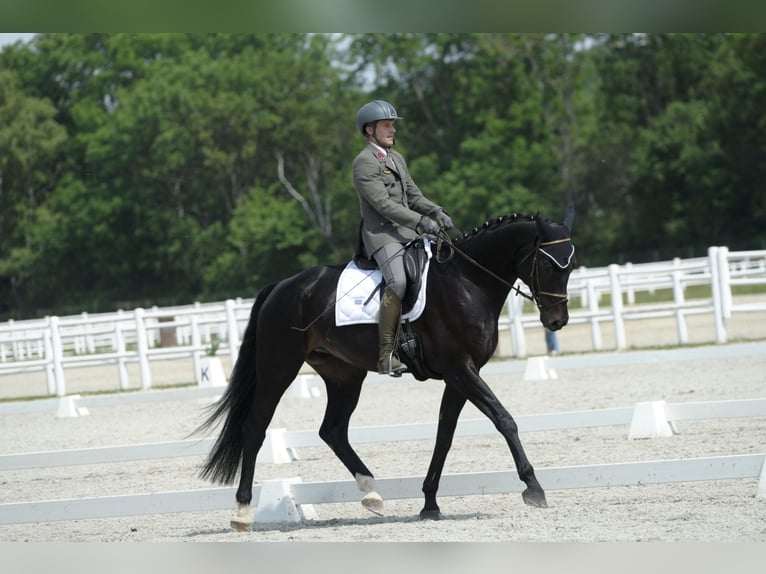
(646, 420)
(54, 344)
(298, 497)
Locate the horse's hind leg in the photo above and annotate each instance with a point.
(344, 385)
(268, 393)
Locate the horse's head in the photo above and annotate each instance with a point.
(546, 269)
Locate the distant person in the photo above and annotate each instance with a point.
(551, 341)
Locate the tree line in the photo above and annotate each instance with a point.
(143, 169)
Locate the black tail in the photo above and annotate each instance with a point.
(225, 457)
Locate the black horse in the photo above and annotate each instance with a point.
(458, 333)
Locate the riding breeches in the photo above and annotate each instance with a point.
(390, 259)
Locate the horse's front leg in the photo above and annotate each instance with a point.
(478, 392)
(449, 411)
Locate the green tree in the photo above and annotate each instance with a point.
(30, 141)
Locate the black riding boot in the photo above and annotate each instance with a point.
(390, 309)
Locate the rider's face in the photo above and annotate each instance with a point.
(384, 132)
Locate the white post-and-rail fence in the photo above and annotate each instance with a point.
(141, 336)
(721, 270)
(291, 500)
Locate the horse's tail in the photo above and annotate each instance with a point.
(224, 459)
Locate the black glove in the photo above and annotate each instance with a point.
(444, 220)
(428, 226)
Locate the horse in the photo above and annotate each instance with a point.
(458, 334)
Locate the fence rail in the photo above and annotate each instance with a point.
(54, 344)
(299, 494)
(280, 444)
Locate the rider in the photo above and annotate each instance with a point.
(394, 212)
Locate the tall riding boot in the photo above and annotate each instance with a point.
(390, 309)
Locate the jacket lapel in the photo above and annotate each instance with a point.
(390, 162)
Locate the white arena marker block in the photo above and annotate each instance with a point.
(67, 408)
(649, 421)
(276, 503)
(210, 373)
(537, 370)
(274, 449)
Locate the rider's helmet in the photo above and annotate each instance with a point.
(372, 112)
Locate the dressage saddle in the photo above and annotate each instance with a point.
(415, 259)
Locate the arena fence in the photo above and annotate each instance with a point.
(298, 497)
(646, 420)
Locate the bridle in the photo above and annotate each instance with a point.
(535, 290)
(535, 287)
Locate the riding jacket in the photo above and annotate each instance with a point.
(390, 202)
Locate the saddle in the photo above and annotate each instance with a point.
(415, 259)
(407, 342)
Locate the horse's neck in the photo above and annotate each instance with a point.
(495, 255)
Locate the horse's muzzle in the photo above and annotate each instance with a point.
(554, 321)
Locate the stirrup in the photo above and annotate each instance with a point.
(389, 369)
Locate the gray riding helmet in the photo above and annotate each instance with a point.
(374, 111)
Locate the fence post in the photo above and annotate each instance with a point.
(58, 356)
(119, 339)
(196, 342)
(630, 292)
(619, 324)
(725, 278)
(595, 329)
(678, 299)
(233, 336)
(715, 287)
(143, 349)
(50, 373)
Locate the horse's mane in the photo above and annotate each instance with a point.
(492, 224)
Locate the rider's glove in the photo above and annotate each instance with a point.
(444, 220)
(428, 226)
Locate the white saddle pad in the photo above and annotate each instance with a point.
(355, 287)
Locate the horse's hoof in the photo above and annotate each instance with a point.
(243, 518)
(241, 525)
(374, 503)
(535, 498)
(430, 514)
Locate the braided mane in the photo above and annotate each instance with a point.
(495, 223)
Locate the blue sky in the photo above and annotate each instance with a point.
(11, 37)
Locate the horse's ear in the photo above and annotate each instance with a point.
(569, 215)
